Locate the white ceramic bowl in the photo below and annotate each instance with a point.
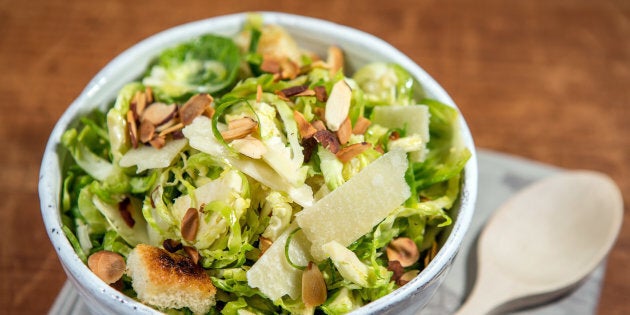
(312, 34)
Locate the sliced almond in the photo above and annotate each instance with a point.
(308, 92)
(294, 90)
(158, 113)
(244, 122)
(328, 140)
(209, 112)
(345, 131)
(166, 125)
(348, 153)
(338, 105)
(147, 131)
(190, 224)
(132, 128)
(430, 254)
(404, 250)
(171, 129)
(108, 266)
(289, 69)
(249, 146)
(193, 253)
(141, 103)
(320, 93)
(335, 60)
(148, 92)
(361, 125)
(314, 291)
(259, 93)
(194, 107)
(407, 276)
(239, 128)
(269, 64)
(396, 268)
(264, 244)
(158, 142)
(304, 127)
(318, 125)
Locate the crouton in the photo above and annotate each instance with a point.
(168, 280)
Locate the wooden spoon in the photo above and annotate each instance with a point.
(544, 241)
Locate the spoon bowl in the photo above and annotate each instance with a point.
(544, 241)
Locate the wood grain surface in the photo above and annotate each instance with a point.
(548, 80)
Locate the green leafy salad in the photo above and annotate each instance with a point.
(248, 175)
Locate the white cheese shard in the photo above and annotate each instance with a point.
(273, 274)
(354, 208)
(414, 117)
(146, 157)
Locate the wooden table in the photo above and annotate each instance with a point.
(544, 79)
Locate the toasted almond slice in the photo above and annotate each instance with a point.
(338, 105)
(259, 93)
(238, 133)
(108, 266)
(345, 131)
(264, 244)
(407, 276)
(289, 69)
(348, 153)
(190, 224)
(304, 127)
(269, 64)
(147, 131)
(193, 253)
(158, 142)
(244, 122)
(166, 125)
(319, 64)
(328, 140)
(159, 113)
(239, 128)
(361, 125)
(141, 103)
(335, 60)
(294, 90)
(320, 93)
(404, 250)
(149, 94)
(132, 128)
(171, 129)
(318, 125)
(308, 92)
(249, 146)
(209, 112)
(314, 290)
(396, 268)
(194, 107)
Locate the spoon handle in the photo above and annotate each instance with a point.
(490, 294)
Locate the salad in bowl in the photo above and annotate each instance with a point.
(246, 173)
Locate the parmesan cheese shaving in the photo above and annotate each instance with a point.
(146, 157)
(273, 274)
(414, 117)
(354, 208)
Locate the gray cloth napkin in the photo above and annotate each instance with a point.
(500, 176)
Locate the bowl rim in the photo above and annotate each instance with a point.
(50, 171)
